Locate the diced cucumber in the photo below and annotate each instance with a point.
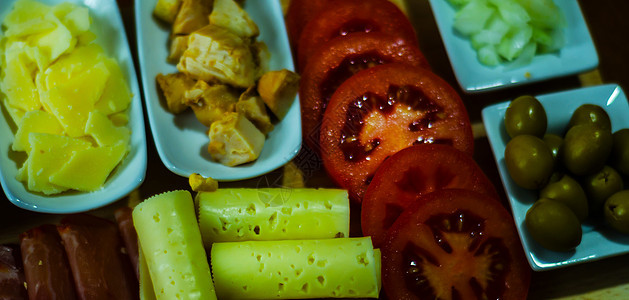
(472, 17)
(515, 40)
(488, 56)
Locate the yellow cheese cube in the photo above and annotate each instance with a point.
(119, 119)
(71, 102)
(30, 26)
(104, 132)
(230, 215)
(18, 84)
(295, 269)
(228, 14)
(25, 10)
(76, 18)
(234, 140)
(35, 121)
(88, 169)
(171, 243)
(214, 53)
(116, 95)
(68, 66)
(49, 153)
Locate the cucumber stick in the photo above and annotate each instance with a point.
(296, 269)
(229, 215)
(171, 244)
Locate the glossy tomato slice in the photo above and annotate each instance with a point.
(404, 177)
(338, 60)
(346, 17)
(382, 110)
(299, 13)
(455, 244)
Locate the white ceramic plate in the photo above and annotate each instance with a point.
(181, 140)
(598, 241)
(576, 56)
(109, 29)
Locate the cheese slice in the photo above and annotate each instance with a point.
(169, 237)
(295, 269)
(229, 215)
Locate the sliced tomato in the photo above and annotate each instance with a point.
(454, 244)
(299, 13)
(338, 60)
(349, 16)
(404, 177)
(382, 110)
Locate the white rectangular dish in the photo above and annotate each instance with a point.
(577, 55)
(111, 36)
(598, 241)
(181, 140)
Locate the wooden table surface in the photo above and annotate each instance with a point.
(608, 22)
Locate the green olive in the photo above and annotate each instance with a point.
(555, 143)
(620, 151)
(525, 115)
(586, 149)
(590, 114)
(529, 161)
(600, 185)
(617, 211)
(569, 192)
(553, 225)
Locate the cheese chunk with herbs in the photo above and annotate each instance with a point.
(234, 140)
(215, 53)
(171, 244)
(241, 214)
(295, 269)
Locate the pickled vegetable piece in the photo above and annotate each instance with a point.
(291, 269)
(171, 243)
(46, 268)
(99, 266)
(227, 215)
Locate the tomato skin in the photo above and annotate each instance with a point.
(315, 86)
(412, 172)
(347, 17)
(484, 258)
(443, 119)
(299, 13)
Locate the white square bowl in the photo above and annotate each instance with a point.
(577, 55)
(598, 241)
(111, 36)
(181, 140)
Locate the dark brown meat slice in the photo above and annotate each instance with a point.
(11, 274)
(124, 219)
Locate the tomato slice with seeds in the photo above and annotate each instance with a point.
(382, 110)
(347, 17)
(404, 177)
(337, 61)
(299, 13)
(454, 244)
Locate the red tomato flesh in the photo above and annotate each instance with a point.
(455, 244)
(338, 61)
(382, 110)
(404, 177)
(346, 17)
(299, 13)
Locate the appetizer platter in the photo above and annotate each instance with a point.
(380, 179)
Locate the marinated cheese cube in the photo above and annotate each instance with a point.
(278, 90)
(234, 140)
(166, 10)
(295, 269)
(35, 121)
(211, 102)
(170, 241)
(215, 53)
(243, 214)
(178, 44)
(174, 87)
(198, 183)
(252, 106)
(228, 14)
(192, 15)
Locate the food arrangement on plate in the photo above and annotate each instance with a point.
(70, 132)
(392, 135)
